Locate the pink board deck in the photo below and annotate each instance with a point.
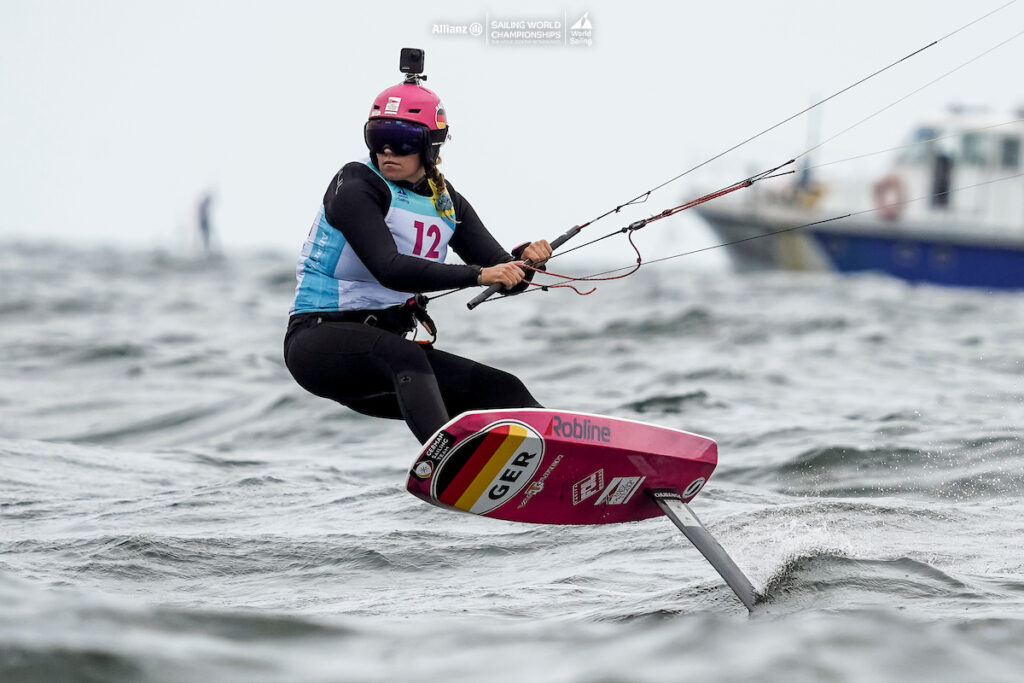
(558, 467)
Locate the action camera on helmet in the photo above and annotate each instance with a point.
(411, 62)
(408, 117)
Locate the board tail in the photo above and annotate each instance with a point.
(671, 503)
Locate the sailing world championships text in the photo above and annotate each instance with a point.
(526, 30)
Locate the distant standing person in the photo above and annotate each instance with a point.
(205, 224)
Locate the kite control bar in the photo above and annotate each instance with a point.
(496, 287)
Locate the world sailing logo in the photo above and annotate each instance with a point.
(582, 32)
(583, 24)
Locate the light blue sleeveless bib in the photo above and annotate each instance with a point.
(332, 278)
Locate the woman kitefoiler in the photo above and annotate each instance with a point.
(379, 240)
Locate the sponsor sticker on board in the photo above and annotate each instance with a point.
(691, 490)
(620, 490)
(538, 486)
(589, 486)
(439, 447)
(423, 469)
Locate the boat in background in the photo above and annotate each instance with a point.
(966, 228)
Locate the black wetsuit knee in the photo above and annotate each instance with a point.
(371, 370)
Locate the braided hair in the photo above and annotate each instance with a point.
(439, 191)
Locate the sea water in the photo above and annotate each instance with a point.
(173, 507)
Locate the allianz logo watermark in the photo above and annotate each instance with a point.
(534, 30)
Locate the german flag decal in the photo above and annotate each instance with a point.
(489, 468)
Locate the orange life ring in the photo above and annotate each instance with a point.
(889, 197)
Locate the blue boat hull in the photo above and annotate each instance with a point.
(917, 260)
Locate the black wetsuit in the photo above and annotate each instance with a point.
(361, 358)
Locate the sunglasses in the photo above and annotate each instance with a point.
(402, 137)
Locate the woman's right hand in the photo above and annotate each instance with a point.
(506, 274)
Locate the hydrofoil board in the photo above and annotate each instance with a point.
(560, 467)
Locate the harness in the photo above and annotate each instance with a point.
(400, 320)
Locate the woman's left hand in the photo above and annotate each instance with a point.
(537, 252)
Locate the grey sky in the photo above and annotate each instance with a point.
(116, 115)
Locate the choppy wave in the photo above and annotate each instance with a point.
(175, 508)
(804, 581)
(971, 469)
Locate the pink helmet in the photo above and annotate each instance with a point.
(416, 104)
